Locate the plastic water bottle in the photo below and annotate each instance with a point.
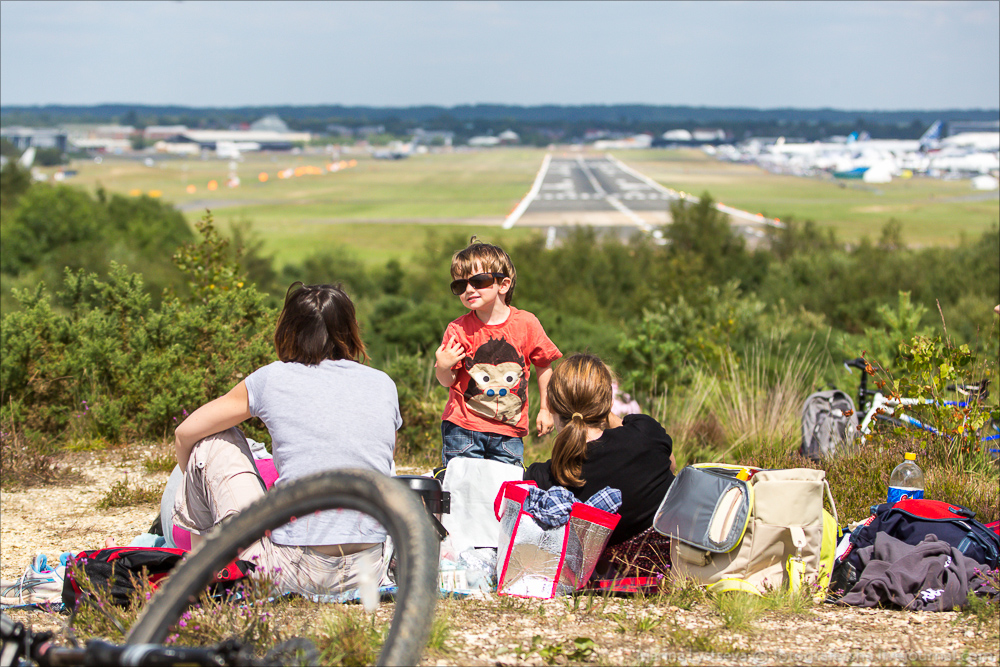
(906, 480)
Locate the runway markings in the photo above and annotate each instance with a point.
(635, 196)
(530, 197)
(598, 183)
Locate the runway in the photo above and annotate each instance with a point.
(595, 192)
(605, 193)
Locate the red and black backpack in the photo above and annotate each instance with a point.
(118, 571)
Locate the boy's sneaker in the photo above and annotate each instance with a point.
(39, 584)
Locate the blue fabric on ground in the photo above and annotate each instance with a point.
(148, 540)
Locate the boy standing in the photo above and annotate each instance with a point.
(485, 360)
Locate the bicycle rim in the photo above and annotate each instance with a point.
(397, 508)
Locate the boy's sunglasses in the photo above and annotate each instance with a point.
(478, 281)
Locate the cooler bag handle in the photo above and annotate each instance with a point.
(515, 486)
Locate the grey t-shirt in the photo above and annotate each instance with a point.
(336, 414)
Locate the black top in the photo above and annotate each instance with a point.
(633, 458)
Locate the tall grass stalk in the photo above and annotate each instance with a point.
(760, 397)
(684, 418)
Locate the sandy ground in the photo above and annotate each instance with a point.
(54, 519)
(503, 631)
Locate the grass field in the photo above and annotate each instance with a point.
(383, 209)
(932, 211)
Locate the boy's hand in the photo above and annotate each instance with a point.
(449, 355)
(544, 422)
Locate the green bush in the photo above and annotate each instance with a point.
(421, 404)
(671, 341)
(14, 182)
(137, 367)
(106, 364)
(47, 228)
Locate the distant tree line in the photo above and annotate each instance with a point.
(537, 125)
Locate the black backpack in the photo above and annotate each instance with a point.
(118, 571)
(829, 424)
(912, 521)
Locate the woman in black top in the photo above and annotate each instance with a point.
(596, 448)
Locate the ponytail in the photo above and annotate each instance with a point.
(580, 393)
(569, 453)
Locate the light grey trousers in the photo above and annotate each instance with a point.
(220, 481)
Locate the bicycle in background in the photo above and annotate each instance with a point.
(887, 409)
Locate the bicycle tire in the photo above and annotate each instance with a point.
(397, 508)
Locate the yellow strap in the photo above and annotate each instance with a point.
(734, 584)
(796, 568)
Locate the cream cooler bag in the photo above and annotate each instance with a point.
(743, 528)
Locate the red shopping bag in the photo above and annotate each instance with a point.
(537, 562)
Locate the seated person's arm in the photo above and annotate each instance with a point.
(215, 416)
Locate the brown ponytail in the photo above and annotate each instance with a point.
(580, 393)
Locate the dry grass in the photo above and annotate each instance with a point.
(26, 464)
(679, 626)
(760, 397)
(160, 462)
(695, 433)
(122, 495)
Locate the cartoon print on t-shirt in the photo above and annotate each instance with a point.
(495, 389)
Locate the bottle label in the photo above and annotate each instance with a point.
(453, 580)
(897, 493)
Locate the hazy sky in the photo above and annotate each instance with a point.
(846, 55)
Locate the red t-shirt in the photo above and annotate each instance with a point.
(490, 393)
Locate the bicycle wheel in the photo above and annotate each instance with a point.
(398, 509)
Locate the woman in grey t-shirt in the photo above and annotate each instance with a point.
(324, 410)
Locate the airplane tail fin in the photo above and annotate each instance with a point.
(27, 158)
(932, 135)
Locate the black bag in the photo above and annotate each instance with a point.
(911, 521)
(119, 570)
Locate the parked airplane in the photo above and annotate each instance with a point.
(396, 150)
(874, 160)
(233, 150)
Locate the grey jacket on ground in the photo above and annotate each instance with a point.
(931, 576)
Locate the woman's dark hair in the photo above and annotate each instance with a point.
(580, 393)
(317, 323)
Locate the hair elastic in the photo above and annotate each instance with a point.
(577, 414)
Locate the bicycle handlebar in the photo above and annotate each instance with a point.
(20, 643)
(859, 363)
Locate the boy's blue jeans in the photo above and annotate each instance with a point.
(475, 445)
